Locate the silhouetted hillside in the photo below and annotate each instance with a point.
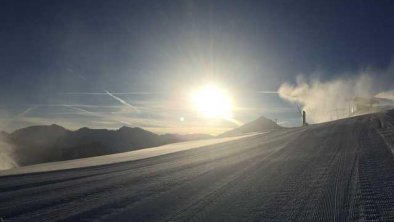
(261, 124)
(39, 144)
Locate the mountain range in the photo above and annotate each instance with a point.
(48, 143)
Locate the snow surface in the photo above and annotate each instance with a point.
(119, 157)
(336, 171)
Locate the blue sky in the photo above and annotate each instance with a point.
(58, 59)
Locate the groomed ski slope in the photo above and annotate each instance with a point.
(119, 157)
(337, 171)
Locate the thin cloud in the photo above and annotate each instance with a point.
(117, 93)
(34, 106)
(100, 115)
(20, 115)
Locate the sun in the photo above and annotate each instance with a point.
(213, 102)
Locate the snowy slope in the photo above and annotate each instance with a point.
(337, 171)
(119, 157)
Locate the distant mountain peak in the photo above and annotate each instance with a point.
(261, 124)
(50, 129)
(84, 128)
(55, 125)
(126, 128)
(131, 129)
(262, 118)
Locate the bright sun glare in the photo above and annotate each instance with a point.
(213, 102)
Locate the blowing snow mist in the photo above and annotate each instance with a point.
(324, 101)
(7, 157)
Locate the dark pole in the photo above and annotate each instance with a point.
(303, 118)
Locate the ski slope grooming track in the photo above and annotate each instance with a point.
(336, 171)
(119, 157)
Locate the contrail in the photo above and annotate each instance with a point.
(121, 100)
(62, 105)
(118, 93)
(83, 110)
(26, 111)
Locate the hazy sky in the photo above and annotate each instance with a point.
(104, 64)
